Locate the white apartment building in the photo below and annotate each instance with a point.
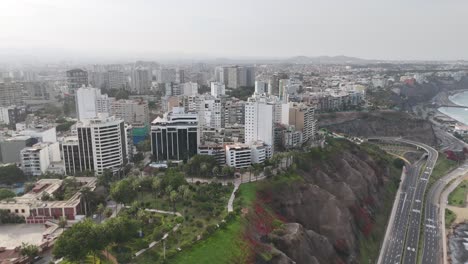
(4, 115)
(218, 89)
(243, 155)
(35, 160)
(101, 144)
(259, 120)
(261, 87)
(90, 102)
(238, 156)
(134, 112)
(190, 89)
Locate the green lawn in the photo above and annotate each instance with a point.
(91, 260)
(449, 218)
(246, 194)
(441, 168)
(458, 196)
(225, 245)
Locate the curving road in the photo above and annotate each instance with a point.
(403, 230)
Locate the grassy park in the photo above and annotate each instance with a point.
(458, 196)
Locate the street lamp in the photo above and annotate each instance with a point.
(164, 244)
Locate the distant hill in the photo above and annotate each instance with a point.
(327, 60)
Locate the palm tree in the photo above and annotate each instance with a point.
(173, 196)
(86, 196)
(156, 185)
(215, 171)
(100, 210)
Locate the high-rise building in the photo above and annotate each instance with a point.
(221, 75)
(115, 79)
(180, 76)
(302, 117)
(141, 80)
(175, 136)
(76, 78)
(35, 160)
(173, 89)
(167, 76)
(90, 102)
(218, 89)
(237, 76)
(11, 93)
(259, 121)
(233, 80)
(273, 84)
(190, 88)
(101, 144)
(133, 112)
(12, 115)
(209, 111)
(250, 76)
(36, 91)
(283, 90)
(233, 112)
(261, 87)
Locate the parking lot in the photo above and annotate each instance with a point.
(12, 235)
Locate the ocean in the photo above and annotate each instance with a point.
(459, 114)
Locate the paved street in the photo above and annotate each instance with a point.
(402, 236)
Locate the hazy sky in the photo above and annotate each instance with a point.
(374, 29)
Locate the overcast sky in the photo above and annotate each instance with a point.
(373, 29)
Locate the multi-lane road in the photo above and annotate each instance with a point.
(434, 247)
(403, 231)
(392, 250)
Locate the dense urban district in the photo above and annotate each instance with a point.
(305, 160)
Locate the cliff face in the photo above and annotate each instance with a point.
(334, 204)
(379, 123)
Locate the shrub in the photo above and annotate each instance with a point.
(199, 223)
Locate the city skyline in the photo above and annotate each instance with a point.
(84, 30)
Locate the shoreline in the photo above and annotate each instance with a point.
(449, 95)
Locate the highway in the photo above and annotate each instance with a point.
(396, 231)
(402, 236)
(434, 244)
(412, 238)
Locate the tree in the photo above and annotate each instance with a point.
(106, 178)
(100, 210)
(62, 222)
(215, 171)
(185, 193)
(108, 212)
(77, 242)
(30, 251)
(120, 229)
(123, 191)
(5, 193)
(88, 197)
(173, 197)
(144, 146)
(11, 174)
(139, 157)
(156, 185)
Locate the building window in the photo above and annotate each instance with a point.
(22, 210)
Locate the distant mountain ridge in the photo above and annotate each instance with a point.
(341, 59)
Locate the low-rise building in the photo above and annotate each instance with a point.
(36, 210)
